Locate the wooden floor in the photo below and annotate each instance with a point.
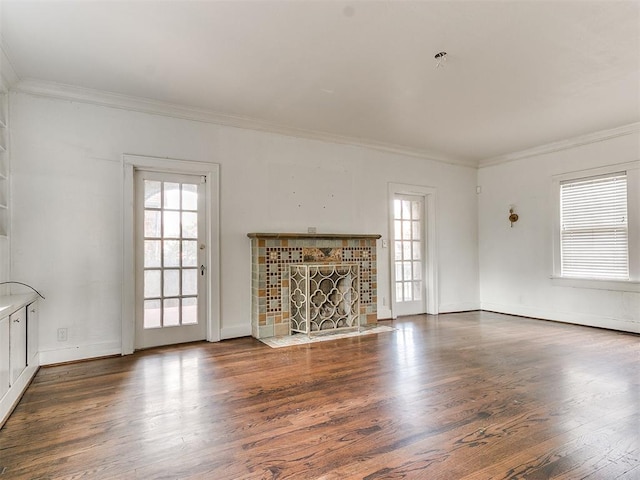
(459, 396)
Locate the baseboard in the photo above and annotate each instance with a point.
(13, 396)
(235, 332)
(384, 314)
(458, 307)
(79, 352)
(565, 317)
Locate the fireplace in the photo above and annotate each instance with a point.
(274, 256)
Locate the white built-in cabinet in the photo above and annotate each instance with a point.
(18, 343)
(4, 163)
(32, 334)
(19, 360)
(5, 369)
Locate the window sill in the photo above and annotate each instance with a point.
(597, 284)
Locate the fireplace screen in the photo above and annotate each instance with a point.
(324, 298)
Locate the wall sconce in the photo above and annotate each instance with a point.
(513, 217)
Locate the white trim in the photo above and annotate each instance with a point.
(235, 332)
(459, 307)
(79, 352)
(597, 284)
(563, 145)
(564, 317)
(212, 173)
(633, 208)
(431, 257)
(385, 313)
(155, 107)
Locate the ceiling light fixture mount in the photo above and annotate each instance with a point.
(441, 59)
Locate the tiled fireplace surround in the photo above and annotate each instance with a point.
(271, 255)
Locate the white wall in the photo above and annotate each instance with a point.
(516, 263)
(66, 228)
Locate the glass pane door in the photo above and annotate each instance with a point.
(408, 229)
(170, 268)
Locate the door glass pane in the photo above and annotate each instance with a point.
(399, 272)
(189, 197)
(151, 314)
(189, 281)
(399, 296)
(417, 291)
(171, 283)
(406, 230)
(152, 194)
(406, 209)
(416, 250)
(151, 253)
(172, 196)
(406, 250)
(415, 210)
(189, 253)
(151, 283)
(171, 312)
(189, 225)
(397, 230)
(407, 292)
(171, 253)
(406, 269)
(171, 224)
(397, 208)
(152, 223)
(416, 230)
(398, 250)
(189, 311)
(417, 273)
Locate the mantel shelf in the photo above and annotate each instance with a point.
(313, 235)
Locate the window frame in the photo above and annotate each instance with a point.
(632, 170)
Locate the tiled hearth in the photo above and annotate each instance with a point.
(273, 253)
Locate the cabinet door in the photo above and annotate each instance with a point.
(4, 356)
(18, 337)
(32, 333)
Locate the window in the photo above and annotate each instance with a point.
(594, 240)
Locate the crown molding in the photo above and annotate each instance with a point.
(563, 144)
(155, 107)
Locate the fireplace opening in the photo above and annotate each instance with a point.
(324, 298)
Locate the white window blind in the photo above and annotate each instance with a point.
(594, 231)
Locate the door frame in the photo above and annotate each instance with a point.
(430, 266)
(211, 172)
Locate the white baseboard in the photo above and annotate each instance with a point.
(13, 396)
(79, 352)
(384, 314)
(458, 307)
(565, 317)
(235, 332)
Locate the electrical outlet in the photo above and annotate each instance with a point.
(62, 334)
(384, 301)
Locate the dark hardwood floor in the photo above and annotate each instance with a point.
(459, 396)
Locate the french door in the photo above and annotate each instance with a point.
(170, 258)
(409, 254)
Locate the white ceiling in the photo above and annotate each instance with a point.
(519, 74)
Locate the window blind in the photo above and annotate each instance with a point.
(594, 238)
